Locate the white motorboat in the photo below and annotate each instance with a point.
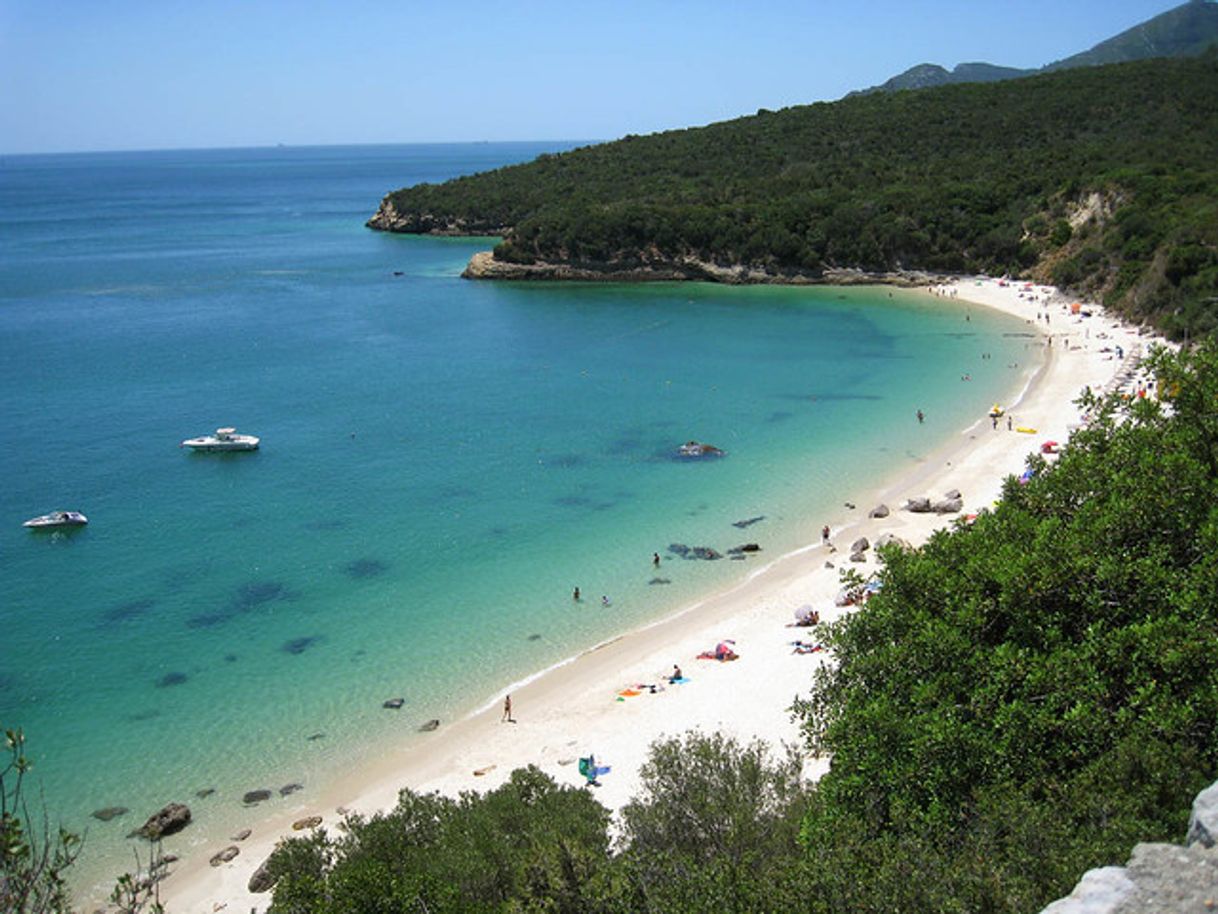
(225, 439)
(57, 519)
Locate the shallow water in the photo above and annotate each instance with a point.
(442, 461)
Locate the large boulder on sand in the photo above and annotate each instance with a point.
(952, 494)
(170, 820)
(919, 505)
(860, 545)
(891, 539)
(879, 511)
(262, 880)
(948, 506)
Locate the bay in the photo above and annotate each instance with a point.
(442, 461)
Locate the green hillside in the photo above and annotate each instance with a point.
(1186, 30)
(1102, 179)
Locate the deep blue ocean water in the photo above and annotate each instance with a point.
(442, 460)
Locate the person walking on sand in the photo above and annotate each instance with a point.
(1008, 423)
(507, 710)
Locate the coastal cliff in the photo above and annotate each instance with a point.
(388, 218)
(483, 265)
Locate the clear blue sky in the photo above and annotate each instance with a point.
(151, 74)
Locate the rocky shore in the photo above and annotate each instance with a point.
(483, 265)
(388, 219)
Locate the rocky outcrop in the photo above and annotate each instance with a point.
(389, 219)
(878, 512)
(170, 820)
(1203, 823)
(1160, 878)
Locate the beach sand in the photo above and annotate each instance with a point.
(573, 710)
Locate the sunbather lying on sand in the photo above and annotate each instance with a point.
(805, 647)
(723, 651)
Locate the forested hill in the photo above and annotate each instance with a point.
(1102, 179)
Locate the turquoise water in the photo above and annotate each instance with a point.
(442, 460)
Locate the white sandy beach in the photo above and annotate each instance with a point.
(574, 710)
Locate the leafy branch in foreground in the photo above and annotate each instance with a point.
(32, 860)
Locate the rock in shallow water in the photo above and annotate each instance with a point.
(110, 812)
(255, 796)
(170, 820)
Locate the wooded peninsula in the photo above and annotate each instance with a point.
(1101, 180)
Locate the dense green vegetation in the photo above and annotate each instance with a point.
(1026, 698)
(964, 178)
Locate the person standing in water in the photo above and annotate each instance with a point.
(655, 559)
(575, 595)
(921, 417)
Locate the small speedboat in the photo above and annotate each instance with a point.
(225, 439)
(698, 449)
(57, 519)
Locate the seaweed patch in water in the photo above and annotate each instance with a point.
(253, 594)
(207, 620)
(300, 645)
(171, 679)
(365, 568)
(128, 610)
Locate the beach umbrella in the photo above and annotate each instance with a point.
(804, 613)
(1049, 447)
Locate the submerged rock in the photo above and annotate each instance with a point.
(433, 724)
(655, 581)
(393, 703)
(741, 524)
(243, 834)
(678, 549)
(205, 792)
(110, 812)
(255, 796)
(288, 789)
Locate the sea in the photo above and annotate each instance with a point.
(443, 461)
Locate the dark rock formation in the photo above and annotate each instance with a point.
(433, 724)
(261, 880)
(255, 796)
(205, 792)
(678, 549)
(242, 835)
(170, 820)
(289, 789)
(919, 505)
(224, 856)
(110, 812)
(741, 524)
(305, 823)
(948, 506)
(393, 703)
(879, 511)
(860, 545)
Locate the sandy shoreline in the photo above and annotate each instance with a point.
(573, 709)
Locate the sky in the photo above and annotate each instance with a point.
(91, 75)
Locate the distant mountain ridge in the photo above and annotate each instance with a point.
(1183, 31)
